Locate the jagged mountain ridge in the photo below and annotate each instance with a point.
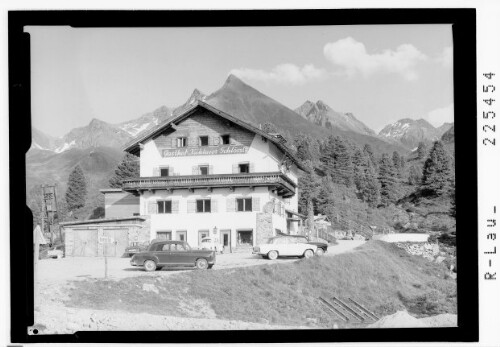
(323, 115)
(409, 132)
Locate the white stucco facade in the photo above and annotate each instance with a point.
(183, 220)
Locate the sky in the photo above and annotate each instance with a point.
(380, 73)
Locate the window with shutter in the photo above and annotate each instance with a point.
(195, 170)
(230, 204)
(210, 169)
(252, 167)
(213, 206)
(173, 143)
(226, 139)
(156, 172)
(236, 168)
(216, 141)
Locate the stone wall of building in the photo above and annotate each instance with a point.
(264, 224)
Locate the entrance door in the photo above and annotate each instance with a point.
(202, 234)
(85, 242)
(181, 235)
(226, 240)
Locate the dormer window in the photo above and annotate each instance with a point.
(203, 141)
(181, 142)
(226, 139)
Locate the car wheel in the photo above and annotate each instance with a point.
(149, 265)
(201, 264)
(272, 255)
(320, 251)
(308, 253)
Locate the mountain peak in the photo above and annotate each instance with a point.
(322, 106)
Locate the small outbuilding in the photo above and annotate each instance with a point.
(99, 237)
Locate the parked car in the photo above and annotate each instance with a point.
(322, 246)
(212, 244)
(173, 253)
(52, 251)
(135, 248)
(285, 246)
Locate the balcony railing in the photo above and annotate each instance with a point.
(284, 185)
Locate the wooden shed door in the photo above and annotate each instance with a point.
(120, 242)
(85, 243)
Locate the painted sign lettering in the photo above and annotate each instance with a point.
(185, 152)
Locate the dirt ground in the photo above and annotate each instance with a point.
(55, 275)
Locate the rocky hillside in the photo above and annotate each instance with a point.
(409, 132)
(323, 115)
(40, 140)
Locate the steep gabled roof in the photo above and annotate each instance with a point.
(134, 145)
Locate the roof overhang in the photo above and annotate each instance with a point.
(135, 145)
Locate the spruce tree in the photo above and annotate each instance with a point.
(371, 192)
(437, 174)
(414, 176)
(368, 151)
(303, 143)
(327, 156)
(343, 168)
(402, 163)
(309, 184)
(77, 189)
(389, 184)
(421, 151)
(360, 163)
(128, 168)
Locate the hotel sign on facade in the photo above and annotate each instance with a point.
(186, 152)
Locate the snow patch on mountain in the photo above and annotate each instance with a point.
(134, 129)
(65, 147)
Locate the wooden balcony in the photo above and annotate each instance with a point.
(275, 180)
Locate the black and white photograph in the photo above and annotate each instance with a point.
(235, 176)
(243, 178)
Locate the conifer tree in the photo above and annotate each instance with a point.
(303, 144)
(327, 156)
(414, 176)
(360, 163)
(421, 151)
(368, 151)
(402, 163)
(309, 185)
(128, 168)
(437, 174)
(343, 168)
(371, 192)
(389, 184)
(77, 189)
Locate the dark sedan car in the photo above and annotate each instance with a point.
(322, 247)
(173, 253)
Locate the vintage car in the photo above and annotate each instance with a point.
(173, 253)
(136, 247)
(285, 246)
(322, 247)
(212, 244)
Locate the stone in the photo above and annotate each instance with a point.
(439, 259)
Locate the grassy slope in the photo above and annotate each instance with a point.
(380, 275)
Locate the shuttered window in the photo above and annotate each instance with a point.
(230, 204)
(191, 206)
(244, 204)
(203, 206)
(244, 167)
(256, 204)
(181, 142)
(203, 169)
(164, 172)
(165, 206)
